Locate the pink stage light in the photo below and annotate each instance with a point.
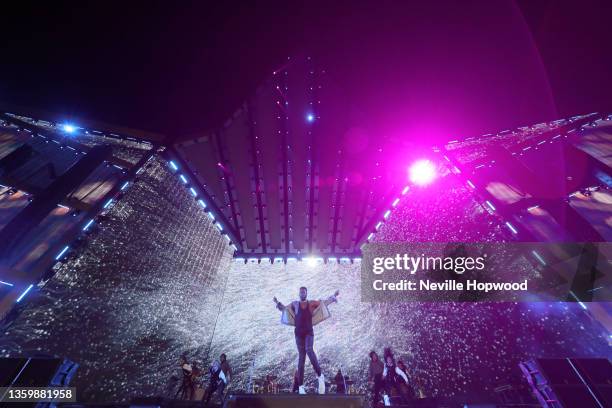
(422, 172)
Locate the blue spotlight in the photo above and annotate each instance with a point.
(68, 128)
(310, 118)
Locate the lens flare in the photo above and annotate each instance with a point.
(68, 128)
(422, 172)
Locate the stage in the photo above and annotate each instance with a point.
(289, 400)
(263, 401)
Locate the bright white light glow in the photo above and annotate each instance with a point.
(68, 128)
(422, 172)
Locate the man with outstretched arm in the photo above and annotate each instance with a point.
(304, 314)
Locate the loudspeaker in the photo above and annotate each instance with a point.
(294, 401)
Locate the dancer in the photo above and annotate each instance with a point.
(218, 381)
(408, 388)
(187, 388)
(393, 377)
(375, 377)
(340, 382)
(304, 314)
(227, 370)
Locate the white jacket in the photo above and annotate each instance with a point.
(318, 315)
(397, 371)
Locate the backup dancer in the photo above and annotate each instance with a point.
(393, 377)
(375, 373)
(218, 380)
(304, 314)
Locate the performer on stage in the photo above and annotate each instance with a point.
(304, 314)
(227, 370)
(375, 377)
(393, 377)
(218, 381)
(295, 387)
(187, 388)
(340, 383)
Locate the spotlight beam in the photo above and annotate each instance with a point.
(422, 172)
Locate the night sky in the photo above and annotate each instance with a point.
(430, 71)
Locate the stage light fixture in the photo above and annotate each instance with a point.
(24, 293)
(422, 172)
(310, 118)
(68, 128)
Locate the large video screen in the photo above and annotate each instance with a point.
(449, 348)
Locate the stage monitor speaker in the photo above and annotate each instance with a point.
(294, 401)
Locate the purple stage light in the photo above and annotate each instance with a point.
(310, 118)
(422, 172)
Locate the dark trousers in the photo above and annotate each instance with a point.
(378, 387)
(400, 388)
(186, 390)
(304, 346)
(213, 386)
